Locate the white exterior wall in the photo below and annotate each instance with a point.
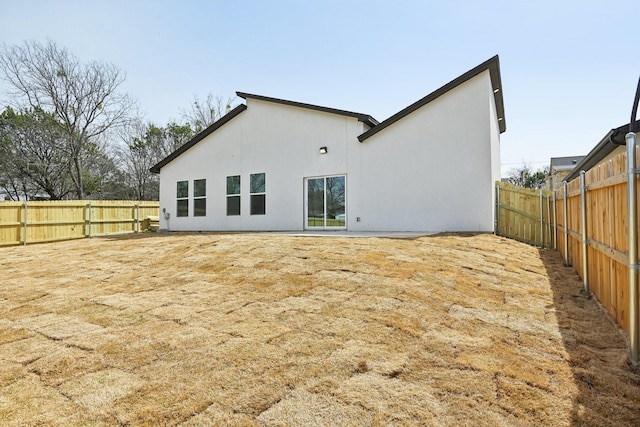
(281, 141)
(496, 173)
(433, 170)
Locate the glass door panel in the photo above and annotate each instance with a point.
(335, 213)
(315, 202)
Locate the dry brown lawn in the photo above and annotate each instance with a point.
(274, 330)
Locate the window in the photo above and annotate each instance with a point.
(258, 197)
(199, 197)
(182, 194)
(233, 195)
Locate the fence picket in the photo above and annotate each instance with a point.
(524, 214)
(591, 222)
(48, 221)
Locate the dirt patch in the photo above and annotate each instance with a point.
(238, 329)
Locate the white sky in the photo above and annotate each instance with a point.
(569, 68)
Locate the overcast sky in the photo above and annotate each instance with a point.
(569, 68)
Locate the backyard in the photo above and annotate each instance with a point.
(275, 330)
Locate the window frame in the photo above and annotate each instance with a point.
(233, 197)
(258, 195)
(182, 199)
(200, 199)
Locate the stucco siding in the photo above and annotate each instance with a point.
(496, 173)
(432, 170)
(281, 141)
(432, 167)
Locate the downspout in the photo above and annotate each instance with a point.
(632, 219)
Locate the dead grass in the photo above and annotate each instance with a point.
(233, 329)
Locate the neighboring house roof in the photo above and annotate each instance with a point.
(365, 118)
(610, 142)
(493, 65)
(199, 137)
(564, 163)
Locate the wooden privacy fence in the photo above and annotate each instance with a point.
(586, 221)
(593, 233)
(525, 214)
(48, 221)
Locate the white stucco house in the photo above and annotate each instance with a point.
(273, 164)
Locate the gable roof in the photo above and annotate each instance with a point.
(199, 137)
(612, 140)
(365, 118)
(493, 65)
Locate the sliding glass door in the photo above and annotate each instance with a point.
(326, 202)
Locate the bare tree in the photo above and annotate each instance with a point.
(84, 98)
(204, 113)
(525, 176)
(136, 156)
(144, 145)
(168, 139)
(104, 180)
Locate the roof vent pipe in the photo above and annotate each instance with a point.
(632, 237)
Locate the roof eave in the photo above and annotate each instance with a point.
(492, 64)
(613, 139)
(199, 137)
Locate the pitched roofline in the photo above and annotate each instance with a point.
(566, 163)
(199, 137)
(493, 65)
(365, 118)
(612, 140)
(564, 158)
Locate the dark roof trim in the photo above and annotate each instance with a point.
(493, 65)
(365, 118)
(610, 142)
(199, 137)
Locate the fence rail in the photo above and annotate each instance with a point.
(48, 221)
(596, 234)
(589, 219)
(526, 215)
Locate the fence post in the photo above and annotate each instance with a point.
(633, 246)
(88, 216)
(24, 238)
(549, 235)
(555, 220)
(137, 217)
(583, 216)
(541, 221)
(565, 202)
(497, 209)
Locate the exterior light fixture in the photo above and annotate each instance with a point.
(496, 90)
(323, 150)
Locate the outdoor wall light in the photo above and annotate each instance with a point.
(323, 150)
